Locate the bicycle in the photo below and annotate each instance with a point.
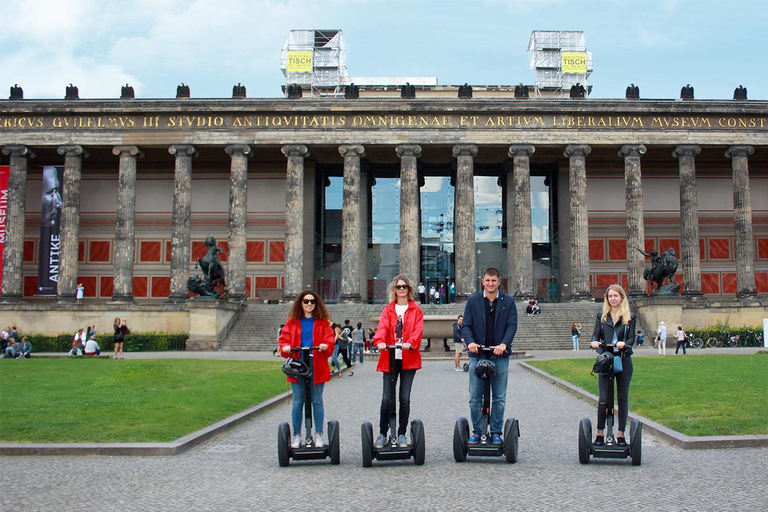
(723, 338)
(753, 339)
(694, 341)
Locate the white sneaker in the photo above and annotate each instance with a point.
(458, 369)
(319, 440)
(296, 443)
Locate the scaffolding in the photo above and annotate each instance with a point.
(548, 47)
(328, 61)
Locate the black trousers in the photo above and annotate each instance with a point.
(406, 382)
(606, 394)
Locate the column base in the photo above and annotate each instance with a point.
(287, 299)
(122, 298)
(695, 296)
(522, 296)
(66, 299)
(461, 298)
(237, 298)
(177, 299)
(746, 294)
(637, 293)
(581, 297)
(10, 298)
(351, 298)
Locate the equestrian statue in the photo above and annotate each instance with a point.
(211, 283)
(663, 267)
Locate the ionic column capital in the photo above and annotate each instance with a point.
(577, 150)
(521, 150)
(408, 150)
(72, 150)
(465, 150)
(736, 151)
(632, 150)
(357, 150)
(127, 150)
(686, 150)
(295, 150)
(17, 151)
(239, 150)
(182, 149)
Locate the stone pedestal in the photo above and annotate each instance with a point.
(208, 318)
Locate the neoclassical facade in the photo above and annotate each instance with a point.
(341, 195)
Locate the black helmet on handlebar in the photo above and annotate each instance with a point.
(294, 368)
(485, 369)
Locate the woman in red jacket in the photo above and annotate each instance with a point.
(407, 361)
(308, 324)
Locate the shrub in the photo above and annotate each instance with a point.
(134, 342)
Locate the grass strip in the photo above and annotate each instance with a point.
(103, 400)
(697, 395)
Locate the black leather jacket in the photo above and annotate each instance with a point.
(603, 333)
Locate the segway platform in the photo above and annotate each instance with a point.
(610, 450)
(390, 451)
(308, 450)
(485, 448)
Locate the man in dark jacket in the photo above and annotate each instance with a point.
(490, 320)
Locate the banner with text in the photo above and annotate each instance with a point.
(299, 62)
(50, 225)
(4, 172)
(574, 62)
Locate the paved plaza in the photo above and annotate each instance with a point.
(238, 470)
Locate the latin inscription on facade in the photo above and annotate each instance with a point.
(380, 121)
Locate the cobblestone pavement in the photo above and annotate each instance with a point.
(239, 471)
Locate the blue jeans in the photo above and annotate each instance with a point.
(357, 348)
(498, 396)
(575, 343)
(335, 357)
(297, 412)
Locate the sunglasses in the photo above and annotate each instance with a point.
(402, 287)
(309, 301)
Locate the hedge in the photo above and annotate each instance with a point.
(134, 342)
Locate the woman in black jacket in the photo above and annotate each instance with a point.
(615, 326)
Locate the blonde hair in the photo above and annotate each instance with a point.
(623, 305)
(391, 289)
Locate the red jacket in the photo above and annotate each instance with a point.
(413, 328)
(290, 336)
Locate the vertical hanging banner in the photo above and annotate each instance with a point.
(4, 172)
(50, 237)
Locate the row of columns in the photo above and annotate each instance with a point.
(518, 212)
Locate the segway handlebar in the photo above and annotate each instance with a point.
(301, 349)
(490, 349)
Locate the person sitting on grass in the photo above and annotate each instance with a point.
(25, 349)
(91, 346)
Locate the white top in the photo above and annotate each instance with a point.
(422, 288)
(400, 310)
(663, 332)
(91, 346)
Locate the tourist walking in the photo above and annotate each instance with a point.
(680, 335)
(661, 339)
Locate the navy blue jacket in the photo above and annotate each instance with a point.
(504, 327)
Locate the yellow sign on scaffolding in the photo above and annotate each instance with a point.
(574, 62)
(299, 62)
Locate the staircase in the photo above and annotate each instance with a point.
(256, 329)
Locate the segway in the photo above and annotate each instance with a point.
(610, 450)
(390, 450)
(302, 369)
(486, 448)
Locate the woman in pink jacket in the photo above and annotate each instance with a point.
(407, 361)
(308, 325)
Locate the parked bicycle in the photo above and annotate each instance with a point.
(722, 339)
(693, 340)
(753, 339)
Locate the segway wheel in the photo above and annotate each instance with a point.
(460, 438)
(636, 445)
(283, 444)
(465, 366)
(333, 441)
(511, 433)
(417, 440)
(367, 436)
(585, 440)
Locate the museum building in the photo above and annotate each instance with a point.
(341, 194)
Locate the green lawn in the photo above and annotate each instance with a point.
(103, 400)
(697, 395)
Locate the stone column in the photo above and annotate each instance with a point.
(238, 220)
(351, 224)
(519, 231)
(294, 221)
(635, 225)
(70, 221)
(126, 217)
(689, 221)
(577, 190)
(15, 216)
(409, 211)
(742, 213)
(464, 227)
(180, 221)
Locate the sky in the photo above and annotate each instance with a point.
(211, 45)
